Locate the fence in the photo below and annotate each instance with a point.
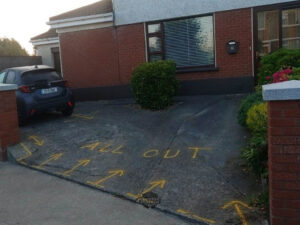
(15, 61)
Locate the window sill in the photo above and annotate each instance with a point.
(197, 69)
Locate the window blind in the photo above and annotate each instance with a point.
(190, 42)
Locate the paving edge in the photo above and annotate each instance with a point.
(114, 194)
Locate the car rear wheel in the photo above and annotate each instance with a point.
(69, 108)
(67, 111)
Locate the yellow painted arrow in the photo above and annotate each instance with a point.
(83, 162)
(29, 153)
(237, 205)
(81, 116)
(181, 211)
(36, 140)
(112, 174)
(52, 158)
(154, 184)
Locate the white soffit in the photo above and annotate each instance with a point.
(81, 21)
(45, 41)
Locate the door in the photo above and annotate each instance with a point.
(56, 59)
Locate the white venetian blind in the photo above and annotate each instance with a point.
(190, 42)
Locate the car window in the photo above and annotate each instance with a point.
(40, 75)
(2, 77)
(10, 78)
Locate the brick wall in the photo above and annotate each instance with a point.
(89, 58)
(102, 57)
(108, 56)
(284, 162)
(9, 128)
(230, 25)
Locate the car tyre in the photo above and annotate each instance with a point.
(67, 111)
(22, 121)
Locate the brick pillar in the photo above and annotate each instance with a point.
(9, 128)
(284, 151)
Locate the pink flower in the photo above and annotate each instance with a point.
(281, 76)
(288, 71)
(268, 77)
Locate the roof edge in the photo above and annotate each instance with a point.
(82, 20)
(45, 41)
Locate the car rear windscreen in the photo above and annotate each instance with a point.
(40, 75)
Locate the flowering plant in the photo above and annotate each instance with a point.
(280, 76)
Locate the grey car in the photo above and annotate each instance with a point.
(40, 89)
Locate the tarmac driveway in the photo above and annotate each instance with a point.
(184, 160)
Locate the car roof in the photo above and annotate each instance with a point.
(24, 69)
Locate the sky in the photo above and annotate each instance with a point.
(24, 19)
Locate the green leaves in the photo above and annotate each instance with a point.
(279, 60)
(154, 84)
(10, 47)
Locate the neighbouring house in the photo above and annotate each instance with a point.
(215, 44)
(46, 45)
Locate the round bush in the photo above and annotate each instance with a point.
(246, 104)
(257, 121)
(154, 84)
(279, 60)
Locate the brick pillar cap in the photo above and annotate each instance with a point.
(288, 90)
(8, 87)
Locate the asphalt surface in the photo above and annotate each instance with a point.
(29, 197)
(188, 156)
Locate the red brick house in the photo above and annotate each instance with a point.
(102, 43)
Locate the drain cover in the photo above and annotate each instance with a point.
(149, 200)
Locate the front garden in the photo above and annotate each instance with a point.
(282, 65)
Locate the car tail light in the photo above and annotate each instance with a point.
(70, 104)
(25, 89)
(67, 83)
(32, 112)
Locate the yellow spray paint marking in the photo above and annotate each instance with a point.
(36, 140)
(197, 149)
(112, 173)
(237, 208)
(195, 216)
(29, 153)
(104, 149)
(76, 116)
(151, 153)
(92, 146)
(154, 184)
(81, 116)
(168, 156)
(52, 158)
(115, 151)
(83, 162)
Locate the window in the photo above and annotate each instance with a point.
(32, 77)
(291, 28)
(2, 77)
(11, 77)
(268, 35)
(188, 42)
(278, 28)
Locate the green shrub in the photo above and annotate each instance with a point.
(246, 104)
(277, 61)
(296, 74)
(257, 121)
(256, 153)
(154, 84)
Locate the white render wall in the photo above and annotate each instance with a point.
(45, 52)
(136, 11)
